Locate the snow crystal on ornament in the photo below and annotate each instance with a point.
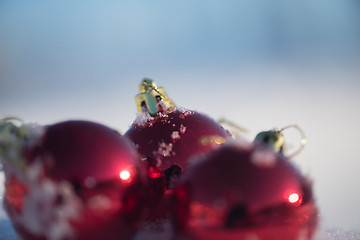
(175, 135)
(182, 129)
(182, 109)
(142, 118)
(185, 112)
(163, 115)
(41, 216)
(263, 158)
(165, 149)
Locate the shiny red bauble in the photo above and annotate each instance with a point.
(166, 143)
(244, 192)
(82, 180)
(170, 140)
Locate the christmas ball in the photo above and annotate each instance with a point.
(75, 180)
(243, 192)
(168, 141)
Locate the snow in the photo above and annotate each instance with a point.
(55, 218)
(51, 221)
(175, 135)
(162, 115)
(164, 149)
(148, 233)
(182, 129)
(142, 118)
(337, 234)
(163, 231)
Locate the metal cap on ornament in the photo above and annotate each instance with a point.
(152, 99)
(275, 140)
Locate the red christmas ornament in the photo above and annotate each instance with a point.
(78, 180)
(167, 137)
(168, 141)
(244, 192)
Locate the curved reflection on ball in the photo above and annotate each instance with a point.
(244, 192)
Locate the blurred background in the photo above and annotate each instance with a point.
(258, 63)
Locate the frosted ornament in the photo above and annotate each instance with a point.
(167, 140)
(77, 180)
(172, 136)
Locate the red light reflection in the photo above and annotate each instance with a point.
(295, 199)
(125, 175)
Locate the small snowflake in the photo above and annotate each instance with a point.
(142, 118)
(182, 129)
(175, 135)
(165, 149)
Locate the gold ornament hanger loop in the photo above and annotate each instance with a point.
(303, 140)
(275, 139)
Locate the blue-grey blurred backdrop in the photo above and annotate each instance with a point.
(259, 63)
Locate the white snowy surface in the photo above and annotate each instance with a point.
(164, 233)
(8, 233)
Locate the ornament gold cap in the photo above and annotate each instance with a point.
(152, 99)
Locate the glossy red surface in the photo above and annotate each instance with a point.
(240, 192)
(157, 186)
(87, 171)
(167, 143)
(176, 137)
(80, 149)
